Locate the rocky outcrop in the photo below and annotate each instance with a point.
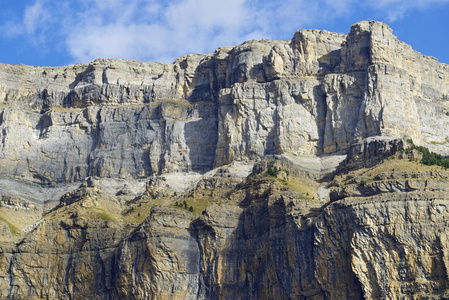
(132, 180)
(267, 241)
(370, 152)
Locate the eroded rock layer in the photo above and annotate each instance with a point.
(318, 93)
(269, 170)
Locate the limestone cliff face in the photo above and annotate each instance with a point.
(132, 180)
(318, 93)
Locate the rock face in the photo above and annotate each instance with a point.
(100, 163)
(316, 94)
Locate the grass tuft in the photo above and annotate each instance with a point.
(14, 230)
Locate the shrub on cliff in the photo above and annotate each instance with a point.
(273, 171)
(429, 158)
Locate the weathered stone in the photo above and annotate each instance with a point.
(318, 94)
(80, 143)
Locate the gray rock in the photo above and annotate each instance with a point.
(306, 106)
(319, 93)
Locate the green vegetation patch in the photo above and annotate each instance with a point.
(284, 182)
(14, 230)
(273, 171)
(198, 203)
(105, 216)
(428, 158)
(184, 205)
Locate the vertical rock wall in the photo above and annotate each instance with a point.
(318, 93)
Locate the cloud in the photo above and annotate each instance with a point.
(162, 30)
(396, 9)
(154, 30)
(32, 16)
(118, 41)
(158, 30)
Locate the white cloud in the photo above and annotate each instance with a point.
(157, 30)
(397, 9)
(153, 30)
(34, 17)
(163, 30)
(118, 41)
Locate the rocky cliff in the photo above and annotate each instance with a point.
(255, 172)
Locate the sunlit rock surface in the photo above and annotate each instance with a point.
(255, 172)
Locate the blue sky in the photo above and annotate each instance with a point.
(61, 32)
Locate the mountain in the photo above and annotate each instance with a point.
(268, 170)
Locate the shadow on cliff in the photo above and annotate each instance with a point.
(201, 140)
(201, 132)
(270, 254)
(327, 63)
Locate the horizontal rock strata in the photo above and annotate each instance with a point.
(268, 170)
